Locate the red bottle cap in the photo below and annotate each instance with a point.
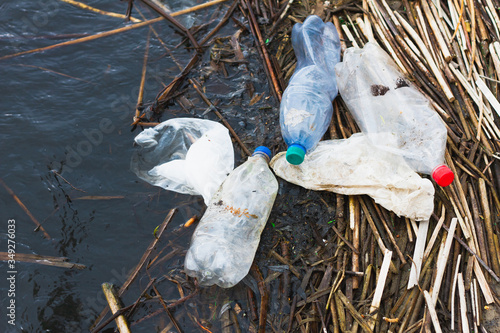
(442, 175)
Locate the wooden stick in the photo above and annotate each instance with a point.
(115, 306)
(26, 210)
(102, 12)
(418, 254)
(463, 305)
(432, 311)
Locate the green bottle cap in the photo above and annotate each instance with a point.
(295, 154)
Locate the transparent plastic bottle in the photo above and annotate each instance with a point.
(392, 112)
(306, 105)
(225, 241)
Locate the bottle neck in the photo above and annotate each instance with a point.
(262, 155)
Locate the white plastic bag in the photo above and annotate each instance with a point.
(185, 155)
(354, 166)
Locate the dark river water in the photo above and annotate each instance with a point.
(66, 112)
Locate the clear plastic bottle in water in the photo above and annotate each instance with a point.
(225, 241)
(392, 112)
(306, 105)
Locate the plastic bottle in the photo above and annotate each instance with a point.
(225, 241)
(392, 112)
(306, 105)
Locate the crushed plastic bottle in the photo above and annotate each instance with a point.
(354, 166)
(306, 105)
(392, 112)
(225, 241)
(185, 155)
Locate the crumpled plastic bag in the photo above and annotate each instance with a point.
(354, 166)
(184, 155)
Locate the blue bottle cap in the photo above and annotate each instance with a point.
(263, 149)
(295, 154)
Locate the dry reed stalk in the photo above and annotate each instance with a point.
(41, 260)
(102, 12)
(26, 210)
(481, 238)
(442, 261)
(432, 311)
(408, 230)
(379, 289)
(418, 254)
(285, 262)
(435, 233)
(114, 31)
(428, 57)
(494, 14)
(477, 304)
(489, 227)
(349, 35)
(115, 306)
(356, 315)
(356, 241)
(376, 234)
(489, 95)
(495, 56)
(382, 35)
(143, 80)
(254, 27)
(453, 288)
(196, 86)
(443, 46)
(338, 25)
(349, 244)
(141, 263)
(463, 304)
(391, 236)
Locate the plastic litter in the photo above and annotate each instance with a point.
(185, 155)
(224, 243)
(306, 105)
(354, 166)
(392, 112)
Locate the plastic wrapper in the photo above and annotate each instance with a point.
(354, 166)
(184, 155)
